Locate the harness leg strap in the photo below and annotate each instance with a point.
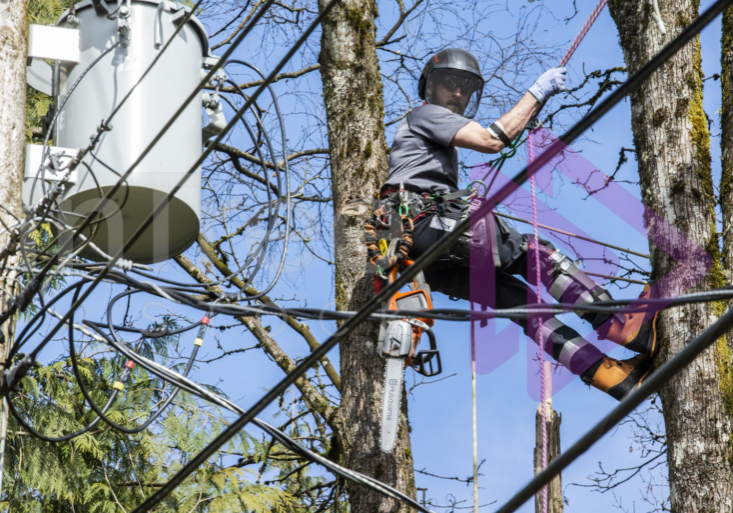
(561, 277)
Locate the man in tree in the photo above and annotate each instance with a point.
(423, 180)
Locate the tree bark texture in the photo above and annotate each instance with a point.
(673, 153)
(554, 489)
(726, 141)
(13, 51)
(726, 178)
(352, 92)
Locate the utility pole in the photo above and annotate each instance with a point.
(13, 51)
(554, 489)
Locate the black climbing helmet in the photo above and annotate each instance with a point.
(452, 68)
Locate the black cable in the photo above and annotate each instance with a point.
(70, 436)
(435, 250)
(289, 443)
(112, 328)
(99, 411)
(20, 339)
(650, 385)
(271, 216)
(159, 208)
(455, 315)
(531, 310)
(286, 164)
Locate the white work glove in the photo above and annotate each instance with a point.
(550, 83)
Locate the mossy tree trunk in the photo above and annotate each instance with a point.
(13, 51)
(352, 91)
(673, 152)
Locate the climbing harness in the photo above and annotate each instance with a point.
(397, 343)
(394, 214)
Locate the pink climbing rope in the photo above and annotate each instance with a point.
(540, 341)
(530, 149)
(583, 32)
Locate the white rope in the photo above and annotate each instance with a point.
(658, 18)
(475, 430)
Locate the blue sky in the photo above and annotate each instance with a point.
(440, 413)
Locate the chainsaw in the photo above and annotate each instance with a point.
(398, 342)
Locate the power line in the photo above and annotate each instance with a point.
(441, 245)
(194, 388)
(652, 384)
(366, 313)
(33, 286)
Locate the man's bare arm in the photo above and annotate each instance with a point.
(475, 137)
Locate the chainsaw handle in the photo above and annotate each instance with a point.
(427, 362)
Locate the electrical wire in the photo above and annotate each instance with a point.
(370, 312)
(101, 412)
(436, 249)
(660, 377)
(27, 293)
(194, 388)
(286, 165)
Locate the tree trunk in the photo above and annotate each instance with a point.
(13, 51)
(554, 489)
(673, 152)
(352, 92)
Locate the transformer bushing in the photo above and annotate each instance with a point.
(151, 105)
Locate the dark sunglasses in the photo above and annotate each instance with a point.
(452, 81)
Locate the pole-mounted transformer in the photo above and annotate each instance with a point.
(80, 36)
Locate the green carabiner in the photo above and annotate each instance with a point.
(486, 189)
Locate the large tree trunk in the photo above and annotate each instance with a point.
(352, 92)
(673, 152)
(13, 51)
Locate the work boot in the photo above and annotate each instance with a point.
(618, 377)
(637, 331)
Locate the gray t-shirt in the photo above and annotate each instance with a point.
(421, 156)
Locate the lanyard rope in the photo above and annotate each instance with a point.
(473, 407)
(545, 374)
(583, 32)
(540, 343)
